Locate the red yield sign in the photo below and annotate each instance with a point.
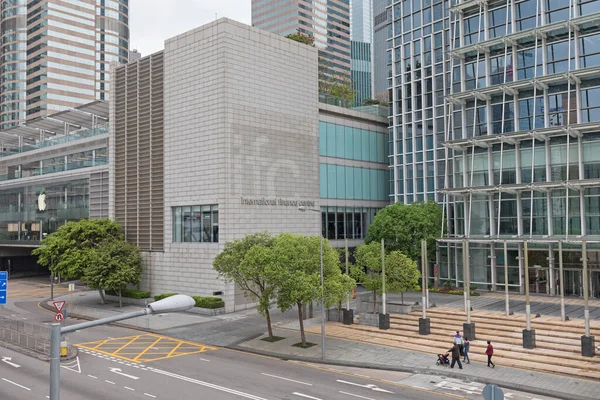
(59, 305)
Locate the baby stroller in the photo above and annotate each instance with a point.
(443, 359)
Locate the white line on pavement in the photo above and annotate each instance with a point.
(150, 395)
(355, 395)
(209, 385)
(92, 376)
(369, 386)
(204, 359)
(286, 379)
(128, 388)
(16, 384)
(111, 382)
(306, 396)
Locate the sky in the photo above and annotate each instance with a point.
(151, 22)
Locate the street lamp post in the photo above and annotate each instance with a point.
(302, 208)
(178, 302)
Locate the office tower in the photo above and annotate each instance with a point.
(381, 63)
(516, 140)
(56, 54)
(328, 21)
(361, 39)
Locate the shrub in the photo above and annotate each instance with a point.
(473, 287)
(448, 285)
(163, 296)
(208, 302)
(130, 293)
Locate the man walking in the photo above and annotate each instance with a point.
(490, 352)
(455, 350)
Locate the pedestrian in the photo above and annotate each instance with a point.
(490, 352)
(458, 339)
(455, 350)
(466, 345)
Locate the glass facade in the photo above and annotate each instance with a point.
(505, 93)
(30, 213)
(340, 223)
(361, 74)
(196, 224)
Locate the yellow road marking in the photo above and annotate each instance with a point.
(101, 343)
(148, 348)
(174, 349)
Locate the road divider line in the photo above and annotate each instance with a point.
(92, 376)
(209, 385)
(111, 382)
(128, 388)
(287, 379)
(306, 396)
(16, 384)
(355, 395)
(150, 395)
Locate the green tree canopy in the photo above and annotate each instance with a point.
(401, 273)
(113, 265)
(404, 226)
(249, 263)
(302, 37)
(298, 264)
(64, 252)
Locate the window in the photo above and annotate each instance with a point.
(196, 224)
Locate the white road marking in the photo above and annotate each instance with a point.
(209, 385)
(150, 395)
(16, 384)
(204, 359)
(128, 388)
(306, 396)
(118, 372)
(368, 386)
(6, 360)
(355, 395)
(112, 383)
(74, 366)
(286, 379)
(93, 377)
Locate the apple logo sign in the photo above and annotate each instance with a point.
(42, 201)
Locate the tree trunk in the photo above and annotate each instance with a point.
(402, 298)
(120, 302)
(374, 301)
(269, 327)
(102, 299)
(302, 336)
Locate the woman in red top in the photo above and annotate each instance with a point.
(490, 352)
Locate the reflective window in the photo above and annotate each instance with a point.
(196, 224)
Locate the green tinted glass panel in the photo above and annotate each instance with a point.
(373, 182)
(364, 136)
(341, 181)
(323, 138)
(358, 185)
(348, 137)
(330, 140)
(357, 140)
(350, 183)
(381, 148)
(323, 179)
(372, 146)
(339, 141)
(331, 186)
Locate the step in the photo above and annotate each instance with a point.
(540, 362)
(568, 351)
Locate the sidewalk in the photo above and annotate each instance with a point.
(359, 354)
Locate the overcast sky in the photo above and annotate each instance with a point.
(153, 21)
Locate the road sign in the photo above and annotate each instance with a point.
(3, 286)
(58, 317)
(59, 305)
(71, 287)
(492, 392)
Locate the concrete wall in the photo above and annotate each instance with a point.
(241, 122)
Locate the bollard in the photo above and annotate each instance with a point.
(63, 349)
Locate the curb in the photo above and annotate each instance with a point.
(415, 370)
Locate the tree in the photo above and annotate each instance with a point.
(248, 262)
(404, 226)
(297, 266)
(62, 251)
(302, 37)
(373, 102)
(401, 273)
(114, 264)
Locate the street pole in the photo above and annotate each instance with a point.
(176, 303)
(51, 285)
(322, 304)
(506, 278)
(464, 254)
(468, 282)
(424, 293)
(586, 289)
(561, 282)
(347, 273)
(526, 267)
(383, 308)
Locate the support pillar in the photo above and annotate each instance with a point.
(528, 333)
(587, 341)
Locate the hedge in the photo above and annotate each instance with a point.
(163, 296)
(208, 302)
(130, 293)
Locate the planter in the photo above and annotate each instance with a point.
(335, 315)
(128, 300)
(207, 311)
(368, 319)
(396, 308)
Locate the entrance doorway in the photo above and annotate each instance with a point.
(595, 284)
(538, 280)
(573, 285)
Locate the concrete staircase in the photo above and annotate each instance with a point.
(558, 344)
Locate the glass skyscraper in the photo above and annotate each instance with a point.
(497, 116)
(361, 36)
(56, 56)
